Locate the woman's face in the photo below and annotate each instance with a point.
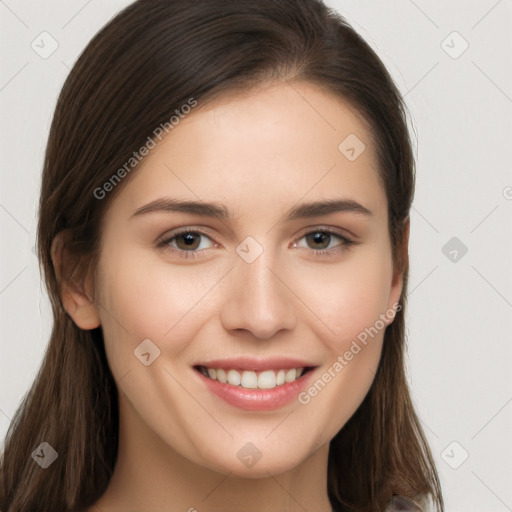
(271, 285)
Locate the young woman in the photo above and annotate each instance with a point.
(224, 223)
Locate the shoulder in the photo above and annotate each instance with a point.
(402, 504)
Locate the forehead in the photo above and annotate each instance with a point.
(267, 148)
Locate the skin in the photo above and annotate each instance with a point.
(260, 153)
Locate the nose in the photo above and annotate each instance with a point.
(257, 299)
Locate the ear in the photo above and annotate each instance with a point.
(401, 265)
(76, 290)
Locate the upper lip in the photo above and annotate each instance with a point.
(256, 364)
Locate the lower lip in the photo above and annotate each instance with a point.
(257, 399)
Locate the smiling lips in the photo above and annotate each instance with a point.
(255, 384)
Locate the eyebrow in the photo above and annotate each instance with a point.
(220, 211)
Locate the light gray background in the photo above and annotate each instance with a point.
(459, 318)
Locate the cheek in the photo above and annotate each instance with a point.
(351, 330)
(143, 299)
(350, 304)
(348, 297)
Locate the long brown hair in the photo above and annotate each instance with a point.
(147, 62)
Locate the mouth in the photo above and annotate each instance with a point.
(255, 384)
(250, 379)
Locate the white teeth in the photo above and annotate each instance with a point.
(290, 375)
(249, 380)
(221, 375)
(267, 379)
(234, 378)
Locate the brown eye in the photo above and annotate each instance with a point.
(188, 240)
(323, 242)
(186, 243)
(319, 239)
(322, 239)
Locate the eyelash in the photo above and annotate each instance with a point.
(346, 243)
